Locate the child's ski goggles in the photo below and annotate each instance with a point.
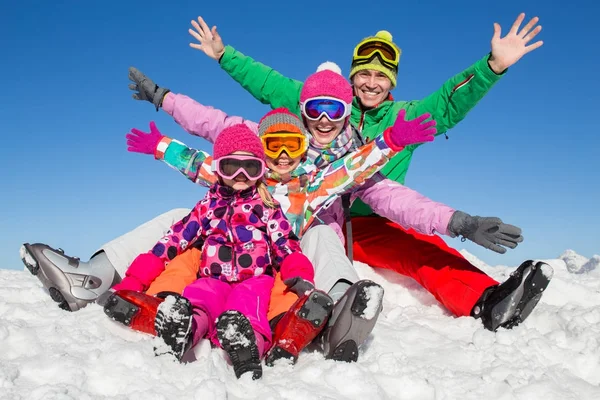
(334, 109)
(366, 50)
(294, 144)
(229, 167)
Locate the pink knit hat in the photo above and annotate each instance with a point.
(238, 138)
(327, 81)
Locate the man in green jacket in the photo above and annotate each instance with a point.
(377, 241)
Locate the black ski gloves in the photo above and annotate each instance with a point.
(146, 89)
(489, 232)
(298, 285)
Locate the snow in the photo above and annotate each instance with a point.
(417, 350)
(234, 336)
(373, 295)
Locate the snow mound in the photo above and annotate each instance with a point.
(417, 350)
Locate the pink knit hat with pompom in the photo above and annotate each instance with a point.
(238, 138)
(327, 81)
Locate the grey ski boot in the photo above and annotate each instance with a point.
(73, 284)
(352, 320)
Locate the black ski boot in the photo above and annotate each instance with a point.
(508, 304)
(174, 325)
(352, 320)
(236, 336)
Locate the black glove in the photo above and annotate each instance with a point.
(146, 89)
(489, 232)
(298, 285)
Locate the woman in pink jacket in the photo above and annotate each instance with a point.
(245, 237)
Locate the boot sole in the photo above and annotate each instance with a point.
(236, 336)
(529, 292)
(315, 310)
(33, 266)
(120, 309)
(358, 326)
(176, 336)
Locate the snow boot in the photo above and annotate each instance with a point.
(73, 284)
(133, 309)
(236, 335)
(508, 304)
(299, 326)
(173, 324)
(352, 320)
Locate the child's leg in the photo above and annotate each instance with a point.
(251, 298)
(281, 299)
(208, 296)
(179, 273)
(243, 330)
(454, 282)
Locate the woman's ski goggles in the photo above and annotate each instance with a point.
(294, 144)
(334, 109)
(229, 167)
(366, 50)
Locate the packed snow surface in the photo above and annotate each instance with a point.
(416, 351)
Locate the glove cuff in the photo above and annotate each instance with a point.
(458, 224)
(161, 147)
(388, 139)
(159, 96)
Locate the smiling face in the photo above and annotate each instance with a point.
(324, 131)
(371, 87)
(283, 164)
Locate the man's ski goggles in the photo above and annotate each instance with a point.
(366, 50)
(229, 167)
(334, 109)
(294, 144)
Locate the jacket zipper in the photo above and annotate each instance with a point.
(230, 234)
(454, 89)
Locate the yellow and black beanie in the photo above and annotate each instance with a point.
(375, 64)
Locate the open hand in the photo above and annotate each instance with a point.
(507, 50)
(210, 41)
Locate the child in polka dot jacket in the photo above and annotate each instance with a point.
(244, 237)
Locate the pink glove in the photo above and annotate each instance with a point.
(404, 133)
(141, 273)
(297, 265)
(142, 142)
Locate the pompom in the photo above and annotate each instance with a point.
(331, 66)
(385, 35)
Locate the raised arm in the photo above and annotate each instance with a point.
(264, 83)
(351, 171)
(200, 120)
(195, 118)
(450, 104)
(193, 164)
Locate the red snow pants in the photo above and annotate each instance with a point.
(455, 283)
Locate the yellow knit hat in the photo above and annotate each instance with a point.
(375, 63)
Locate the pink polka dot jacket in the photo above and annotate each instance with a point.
(239, 236)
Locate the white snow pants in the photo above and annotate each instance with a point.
(123, 250)
(323, 247)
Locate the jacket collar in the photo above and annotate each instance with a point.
(227, 193)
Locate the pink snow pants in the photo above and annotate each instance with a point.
(250, 297)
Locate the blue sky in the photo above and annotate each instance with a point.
(527, 153)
